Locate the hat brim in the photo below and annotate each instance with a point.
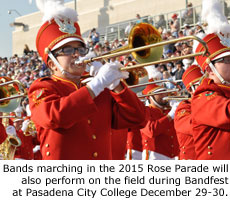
(158, 90)
(65, 41)
(224, 54)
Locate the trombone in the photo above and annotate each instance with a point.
(177, 98)
(11, 92)
(155, 82)
(160, 92)
(148, 46)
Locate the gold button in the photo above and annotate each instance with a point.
(47, 145)
(89, 122)
(209, 153)
(95, 154)
(183, 152)
(48, 153)
(94, 137)
(209, 147)
(146, 144)
(146, 141)
(183, 147)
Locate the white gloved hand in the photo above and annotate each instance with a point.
(107, 75)
(10, 130)
(94, 68)
(25, 125)
(36, 148)
(117, 82)
(172, 102)
(174, 107)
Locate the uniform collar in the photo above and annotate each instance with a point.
(65, 80)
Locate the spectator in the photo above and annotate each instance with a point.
(188, 15)
(94, 36)
(174, 25)
(168, 85)
(186, 29)
(161, 23)
(26, 49)
(179, 72)
(128, 28)
(139, 20)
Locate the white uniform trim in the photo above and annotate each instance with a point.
(150, 155)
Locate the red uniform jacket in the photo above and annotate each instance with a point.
(159, 134)
(71, 125)
(211, 121)
(119, 143)
(134, 140)
(25, 151)
(183, 127)
(3, 134)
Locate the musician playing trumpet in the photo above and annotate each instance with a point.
(75, 121)
(159, 139)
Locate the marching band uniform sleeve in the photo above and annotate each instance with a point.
(127, 105)
(157, 122)
(183, 119)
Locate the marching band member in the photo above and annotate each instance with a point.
(159, 136)
(211, 100)
(182, 119)
(25, 151)
(75, 122)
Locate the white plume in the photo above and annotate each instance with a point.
(56, 9)
(212, 14)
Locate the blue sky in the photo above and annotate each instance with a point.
(24, 8)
